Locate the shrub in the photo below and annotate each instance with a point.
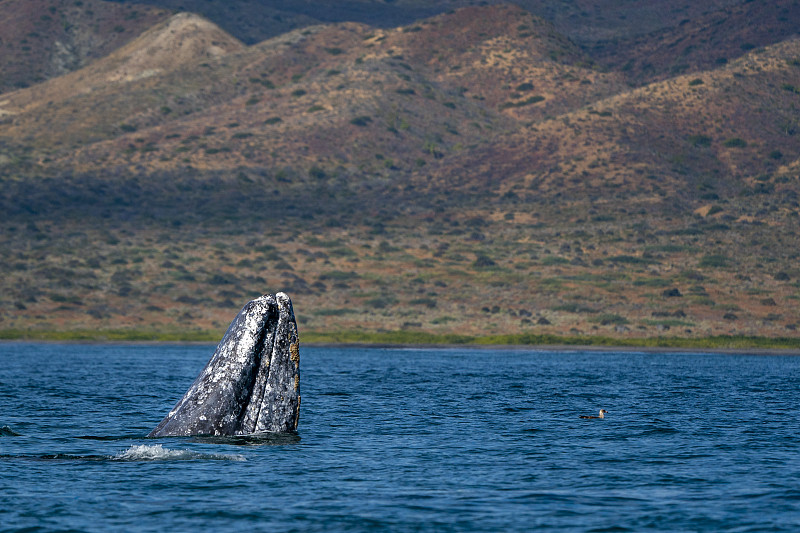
(221, 279)
(735, 142)
(317, 172)
(522, 103)
(631, 260)
(610, 319)
(574, 308)
(360, 121)
(381, 302)
(427, 302)
(483, 261)
(338, 275)
(699, 140)
(714, 261)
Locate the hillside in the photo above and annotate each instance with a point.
(584, 21)
(700, 42)
(477, 172)
(43, 39)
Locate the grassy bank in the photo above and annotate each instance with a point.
(721, 342)
(113, 335)
(419, 338)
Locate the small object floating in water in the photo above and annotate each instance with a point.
(601, 415)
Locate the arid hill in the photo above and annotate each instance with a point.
(43, 39)
(480, 171)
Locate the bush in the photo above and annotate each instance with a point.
(735, 142)
(574, 308)
(699, 140)
(317, 172)
(427, 302)
(483, 261)
(360, 121)
(714, 261)
(522, 103)
(221, 279)
(631, 260)
(610, 319)
(381, 302)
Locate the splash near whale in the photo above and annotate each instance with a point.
(252, 382)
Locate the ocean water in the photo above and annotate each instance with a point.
(407, 440)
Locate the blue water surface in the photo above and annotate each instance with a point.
(407, 440)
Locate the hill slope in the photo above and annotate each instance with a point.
(42, 39)
(473, 172)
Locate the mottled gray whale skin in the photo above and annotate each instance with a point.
(251, 384)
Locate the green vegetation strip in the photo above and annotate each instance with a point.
(720, 342)
(411, 337)
(118, 335)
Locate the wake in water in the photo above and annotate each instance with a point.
(136, 453)
(157, 452)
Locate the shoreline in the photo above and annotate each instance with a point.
(565, 348)
(404, 340)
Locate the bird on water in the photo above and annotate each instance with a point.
(601, 415)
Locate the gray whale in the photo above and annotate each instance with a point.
(251, 384)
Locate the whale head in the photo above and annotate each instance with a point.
(251, 384)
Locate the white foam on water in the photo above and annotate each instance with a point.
(157, 452)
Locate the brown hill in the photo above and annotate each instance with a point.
(42, 39)
(474, 172)
(345, 92)
(583, 21)
(721, 132)
(94, 102)
(700, 42)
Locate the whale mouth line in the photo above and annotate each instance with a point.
(263, 350)
(263, 364)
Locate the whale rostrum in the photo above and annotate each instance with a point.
(252, 382)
